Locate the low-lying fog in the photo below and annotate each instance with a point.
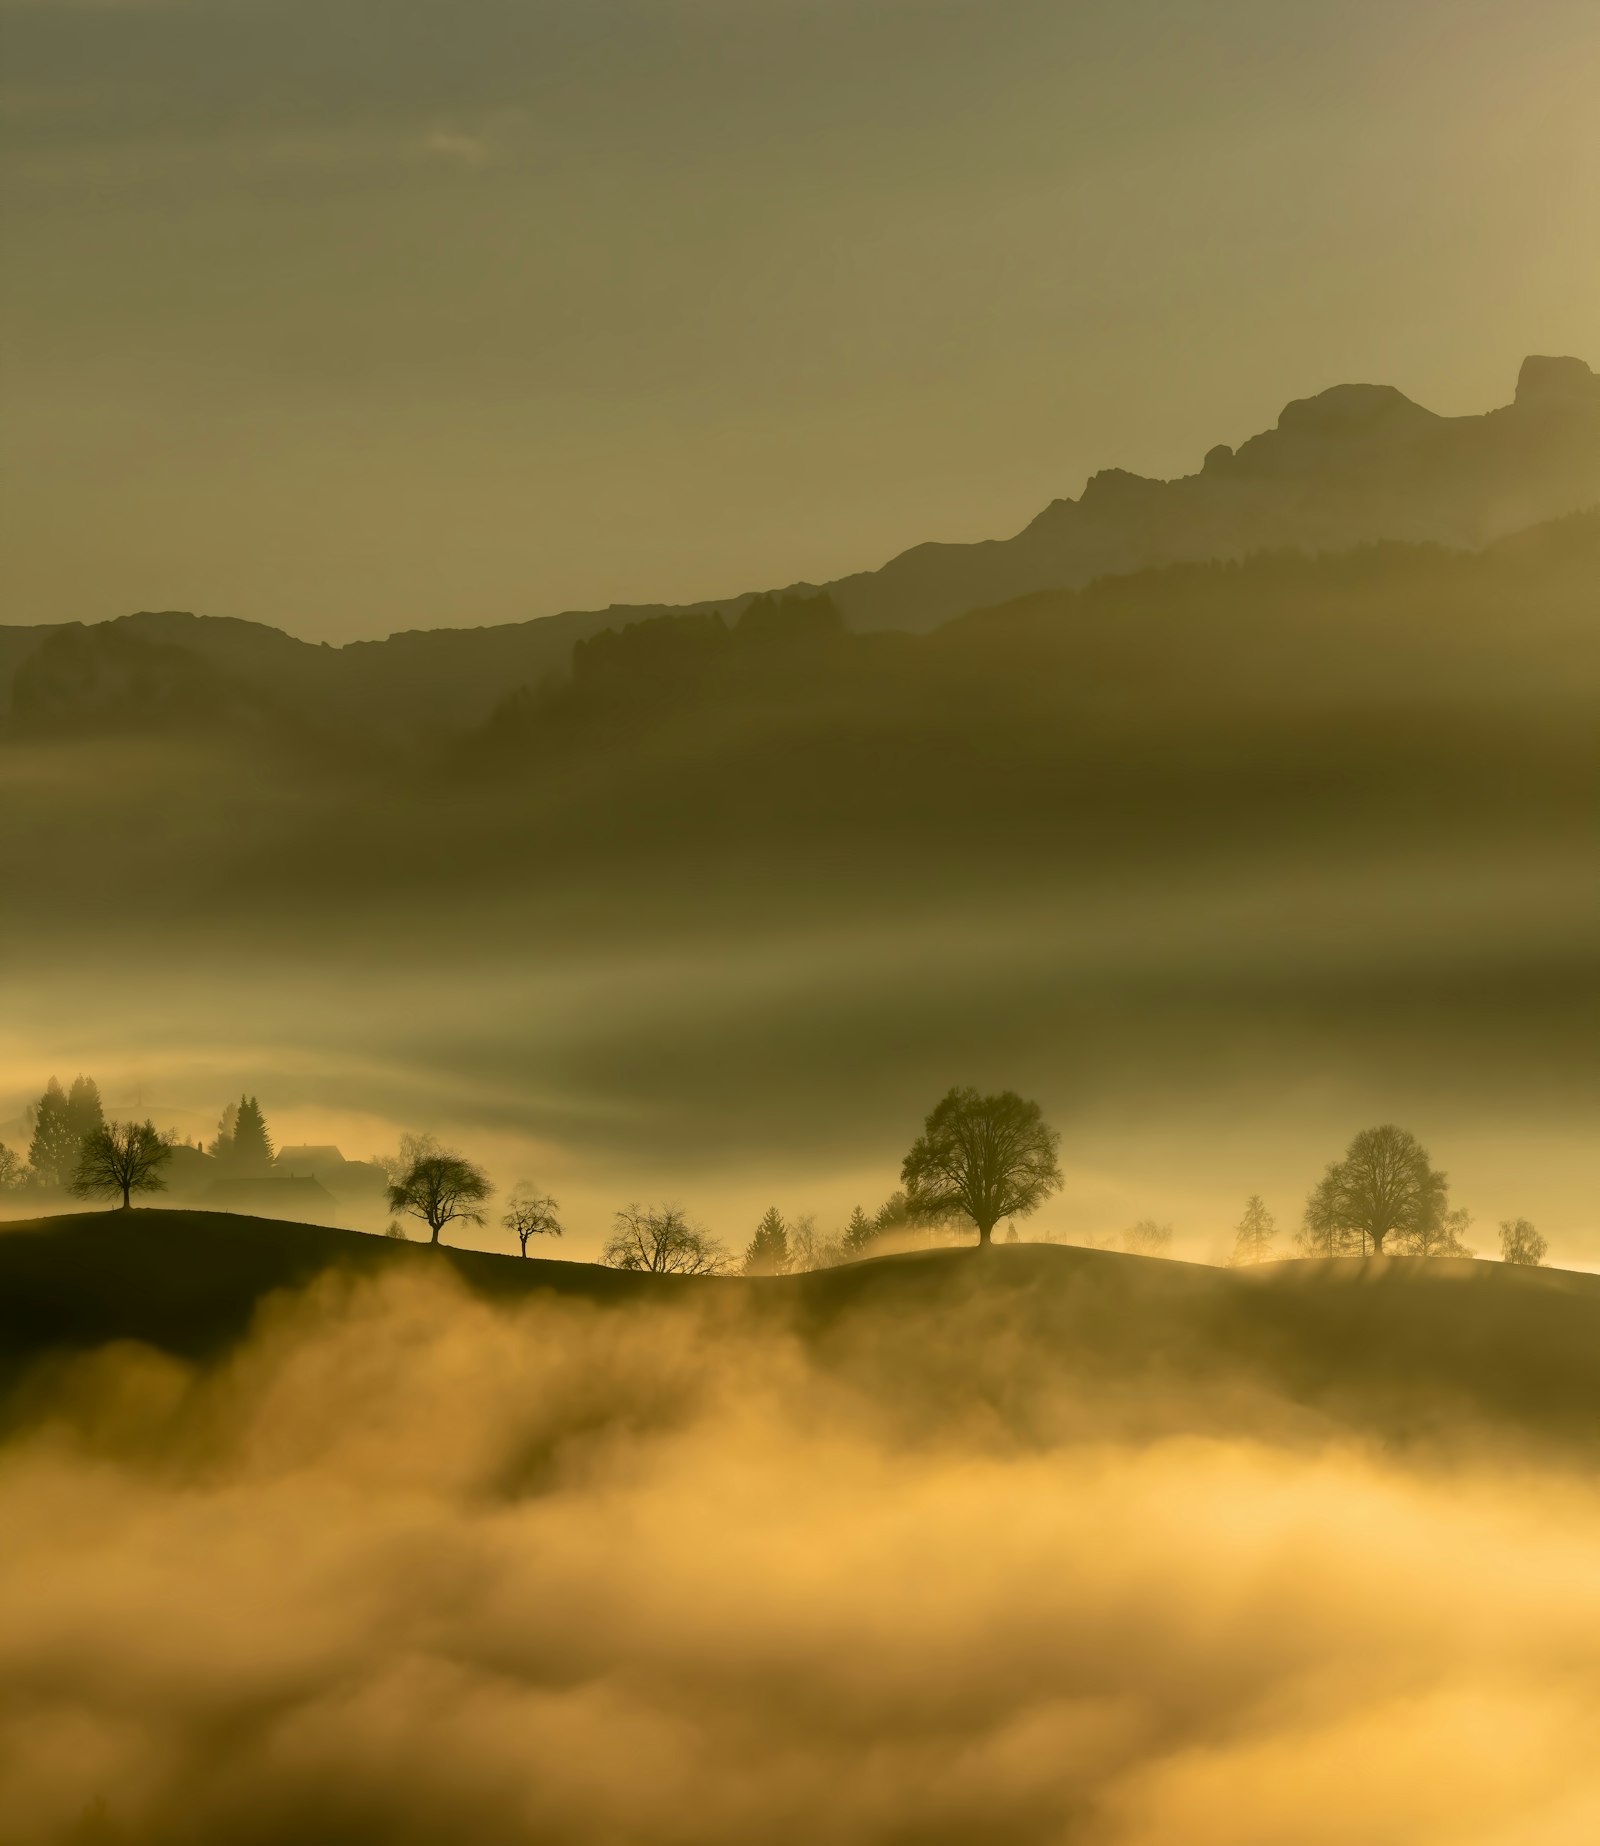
(1196, 1036)
(410, 1567)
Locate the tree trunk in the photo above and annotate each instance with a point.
(1377, 1242)
(435, 1237)
(985, 1232)
(127, 1202)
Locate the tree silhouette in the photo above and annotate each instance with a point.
(242, 1142)
(441, 1188)
(1521, 1243)
(767, 1253)
(412, 1148)
(252, 1145)
(661, 1241)
(988, 1157)
(125, 1157)
(222, 1142)
(1147, 1238)
(531, 1214)
(1447, 1237)
(1253, 1235)
(54, 1149)
(859, 1234)
(809, 1250)
(84, 1113)
(1383, 1184)
(10, 1169)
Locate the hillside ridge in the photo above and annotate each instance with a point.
(1351, 465)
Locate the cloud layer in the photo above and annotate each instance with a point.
(409, 1567)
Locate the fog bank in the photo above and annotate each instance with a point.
(410, 1567)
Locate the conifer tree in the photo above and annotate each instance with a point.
(768, 1251)
(243, 1144)
(1252, 1241)
(252, 1145)
(222, 1143)
(85, 1117)
(859, 1234)
(53, 1151)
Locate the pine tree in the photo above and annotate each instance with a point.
(768, 1251)
(1252, 1242)
(53, 1151)
(859, 1234)
(85, 1117)
(221, 1148)
(251, 1151)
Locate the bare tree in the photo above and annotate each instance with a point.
(1446, 1237)
(441, 1188)
(990, 1157)
(11, 1169)
(1147, 1238)
(1521, 1243)
(661, 1241)
(530, 1214)
(809, 1249)
(1383, 1184)
(1253, 1235)
(125, 1157)
(394, 1166)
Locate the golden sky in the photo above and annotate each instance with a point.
(350, 317)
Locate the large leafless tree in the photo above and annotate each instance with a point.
(1383, 1185)
(660, 1240)
(1521, 1243)
(531, 1214)
(125, 1157)
(987, 1157)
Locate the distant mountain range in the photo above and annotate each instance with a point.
(1353, 465)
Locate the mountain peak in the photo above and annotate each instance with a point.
(1544, 381)
(1351, 409)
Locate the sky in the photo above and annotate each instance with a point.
(350, 318)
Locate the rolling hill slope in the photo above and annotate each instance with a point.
(1032, 1338)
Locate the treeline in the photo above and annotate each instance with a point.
(1385, 1197)
(67, 1123)
(980, 1160)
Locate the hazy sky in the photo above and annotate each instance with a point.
(350, 316)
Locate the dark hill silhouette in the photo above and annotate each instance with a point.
(1203, 701)
(1354, 465)
(1033, 1334)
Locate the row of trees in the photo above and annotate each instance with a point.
(979, 1159)
(1385, 1195)
(440, 1187)
(67, 1125)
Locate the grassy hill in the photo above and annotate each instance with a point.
(1028, 1339)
